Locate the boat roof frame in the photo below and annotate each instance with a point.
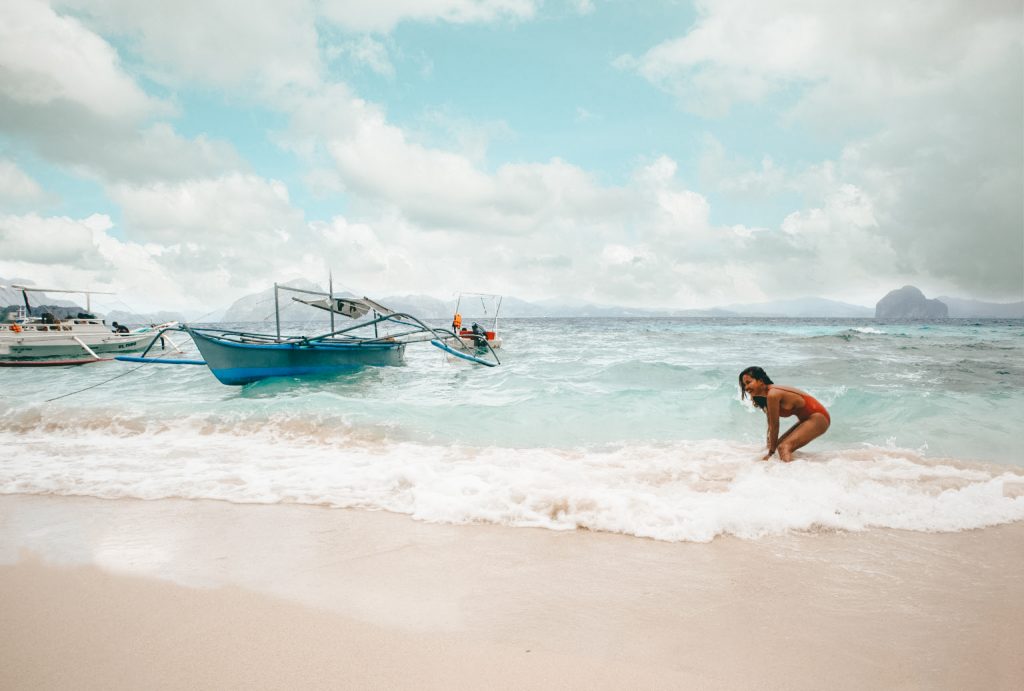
(497, 309)
(25, 290)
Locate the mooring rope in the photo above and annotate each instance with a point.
(57, 398)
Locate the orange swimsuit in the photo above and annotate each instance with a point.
(811, 406)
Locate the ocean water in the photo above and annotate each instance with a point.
(625, 425)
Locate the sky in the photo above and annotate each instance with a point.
(661, 154)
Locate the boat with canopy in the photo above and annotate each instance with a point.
(49, 340)
(378, 339)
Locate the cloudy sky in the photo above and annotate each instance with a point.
(660, 153)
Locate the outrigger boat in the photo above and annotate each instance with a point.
(241, 357)
(33, 341)
(478, 335)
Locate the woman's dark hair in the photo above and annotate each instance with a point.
(758, 374)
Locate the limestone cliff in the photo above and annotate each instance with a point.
(909, 303)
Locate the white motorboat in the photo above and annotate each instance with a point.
(478, 335)
(48, 340)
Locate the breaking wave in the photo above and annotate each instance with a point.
(678, 491)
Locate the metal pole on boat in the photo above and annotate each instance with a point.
(277, 313)
(330, 295)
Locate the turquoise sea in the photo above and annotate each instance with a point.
(625, 425)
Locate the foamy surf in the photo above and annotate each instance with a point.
(678, 491)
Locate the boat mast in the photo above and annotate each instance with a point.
(330, 294)
(277, 313)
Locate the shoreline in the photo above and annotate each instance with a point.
(173, 593)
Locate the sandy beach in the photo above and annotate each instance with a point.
(174, 594)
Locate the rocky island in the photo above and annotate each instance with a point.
(909, 302)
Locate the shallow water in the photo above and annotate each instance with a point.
(626, 425)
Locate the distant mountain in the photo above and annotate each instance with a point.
(41, 302)
(13, 297)
(960, 307)
(207, 317)
(422, 306)
(259, 307)
(133, 319)
(800, 307)
(909, 302)
(569, 310)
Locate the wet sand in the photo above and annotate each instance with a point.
(176, 594)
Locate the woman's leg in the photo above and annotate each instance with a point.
(810, 429)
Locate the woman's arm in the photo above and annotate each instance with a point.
(772, 411)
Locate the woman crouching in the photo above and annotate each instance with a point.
(782, 401)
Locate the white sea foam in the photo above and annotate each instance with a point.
(690, 491)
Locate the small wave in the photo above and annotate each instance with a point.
(683, 491)
(641, 373)
(306, 427)
(846, 335)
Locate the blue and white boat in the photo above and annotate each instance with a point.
(239, 357)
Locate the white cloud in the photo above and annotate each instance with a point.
(366, 51)
(232, 44)
(63, 89)
(740, 178)
(49, 58)
(833, 250)
(925, 100)
(222, 237)
(549, 226)
(233, 211)
(33, 239)
(583, 6)
(372, 15)
(433, 187)
(260, 48)
(16, 186)
(69, 253)
(174, 263)
(108, 151)
(852, 59)
(205, 242)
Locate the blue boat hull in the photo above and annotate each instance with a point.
(242, 363)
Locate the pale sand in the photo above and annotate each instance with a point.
(177, 594)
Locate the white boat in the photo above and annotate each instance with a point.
(484, 331)
(26, 340)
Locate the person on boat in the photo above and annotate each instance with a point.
(479, 336)
(119, 328)
(783, 401)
